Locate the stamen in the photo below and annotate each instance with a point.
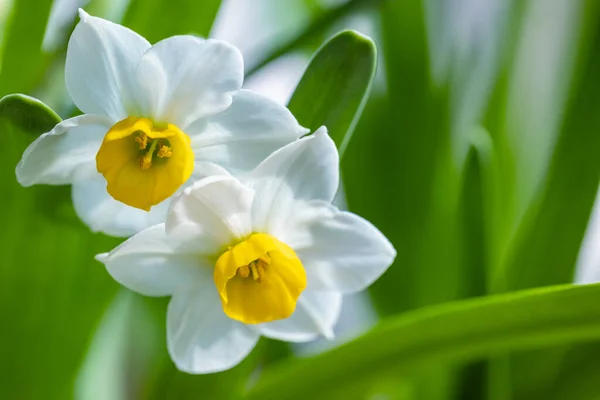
(142, 140)
(260, 269)
(266, 260)
(243, 271)
(253, 268)
(257, 268)
(164, 152)
(146, 161)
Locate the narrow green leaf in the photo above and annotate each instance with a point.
(477, 189)
(400, 175)
(403, 180)
(335, 87)
(159, 19)
(475, 192)
(23, 62)
(52, 291)
(545, 248)
(453, 332)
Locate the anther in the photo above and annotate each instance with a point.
(146, 160)
(266, 260)
(243, 271)
(164, 152)
(142, 140)
(256, 268)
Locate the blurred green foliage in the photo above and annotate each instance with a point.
(482, 210)
(51, 293)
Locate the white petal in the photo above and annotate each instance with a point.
(184, 78)
(339, 250)
(153, 264)
(200, 337)
(243, 135)
(205, 169)
(304, 170)
(215, 211)
(315, 315)
(100, 64)
(69, 149)
(98, 210)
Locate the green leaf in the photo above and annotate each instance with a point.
(545, 248)
(401, 175)
(23, 62)
(52, 291)
(477, 190)
(454, 332)
(336, 99)
(28, 114)
(474, 231)
(159, 19)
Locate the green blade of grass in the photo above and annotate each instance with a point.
(453, 332)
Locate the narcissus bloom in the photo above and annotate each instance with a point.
(266, 255)
(153, 114)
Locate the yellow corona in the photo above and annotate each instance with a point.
(259, 280)
(144, 162)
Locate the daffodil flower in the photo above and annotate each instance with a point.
(152, 116)
(266, 255)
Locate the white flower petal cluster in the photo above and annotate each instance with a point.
(230, 209)
(259, 240)
(190, 84)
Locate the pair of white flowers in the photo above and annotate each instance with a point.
(230, 210)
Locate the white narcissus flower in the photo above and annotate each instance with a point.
(266, 255)
(152, 116)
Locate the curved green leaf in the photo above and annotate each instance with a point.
(28, 113)
(335, 87)
(453, 332)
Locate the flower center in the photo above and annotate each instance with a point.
(143, 162)
(259, 280)
(149, 151)
(257, 268)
